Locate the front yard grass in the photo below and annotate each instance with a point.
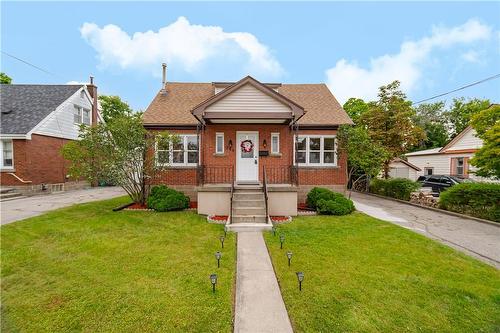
(86, 268)
(366, 275)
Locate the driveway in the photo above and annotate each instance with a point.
(19, 209)
(480, 240)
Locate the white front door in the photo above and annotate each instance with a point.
(247, 157)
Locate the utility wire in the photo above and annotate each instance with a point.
(29, 64)
(496, 76)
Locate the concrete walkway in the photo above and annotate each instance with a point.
(19, 209)
(472, 237)
(259, 305)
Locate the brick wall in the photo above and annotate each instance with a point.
(38, 160)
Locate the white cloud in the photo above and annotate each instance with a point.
(178, 44)
(471, 56)
(76, 83)
(348, 79)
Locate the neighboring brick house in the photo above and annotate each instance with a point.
(234, 133)
(36, 122)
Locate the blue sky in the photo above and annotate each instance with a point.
(353, 47)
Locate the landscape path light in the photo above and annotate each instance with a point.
(221, 238)
(282, 240)
(218, 255)
(289, 256)
(274, 230)
(300, 277)
(213, 280)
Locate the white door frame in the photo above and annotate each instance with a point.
(256, 152)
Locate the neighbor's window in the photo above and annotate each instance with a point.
(275, 143)
(219, 143)
(7, 154)
(77, 115)
(316, 150)
(428, 171)
(86, 117)
(183, 152)
(459, 170)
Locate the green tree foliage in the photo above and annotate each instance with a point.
(487, 125)
(390, 123)
(5, 79)
(461, 112)
(430, 117)
(355, 107)
(113, 107)
(120, 152)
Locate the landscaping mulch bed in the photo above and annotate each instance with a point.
(218, 219)
(281, 219)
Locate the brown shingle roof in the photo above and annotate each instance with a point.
(175, 107)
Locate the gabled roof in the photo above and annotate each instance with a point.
(174, 107)
(23, 106)
(413, 166)
(431, 151)
(456, 138)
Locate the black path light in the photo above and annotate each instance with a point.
(213, 280)
(274, 230)
(289, 256)
(282, 240)
(218, 255)
(300, 277)
(221, 238)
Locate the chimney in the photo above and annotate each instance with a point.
(93, 93)
(164, 79)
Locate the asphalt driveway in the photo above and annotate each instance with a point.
(480, 240)
(19, 209)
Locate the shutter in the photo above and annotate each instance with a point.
(466, 167)
(453, 166)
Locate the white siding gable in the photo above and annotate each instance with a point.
(248, 99)
(467, 141)
(60, 122)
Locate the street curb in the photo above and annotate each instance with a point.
(434, 209)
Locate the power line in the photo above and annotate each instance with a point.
(496, 76)
(29, 64)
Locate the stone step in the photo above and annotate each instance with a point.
(243, 227)
(248, 219)
(249, 203)
(248, 187)
(5, 190)
(254, 211)
(13, 198)
(9, 195)
(248, 196)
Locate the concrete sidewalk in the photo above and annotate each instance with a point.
(259, 305)
(19, 209)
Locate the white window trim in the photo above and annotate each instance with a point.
(81, 111)
(428, 168)
(8, 167)
(322, 151)
(217, 136)
(277, 150)
(183, 138)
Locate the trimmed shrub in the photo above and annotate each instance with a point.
(399, 188)
(318, 193)
(476, 199)
(338, 206)
(163, 199)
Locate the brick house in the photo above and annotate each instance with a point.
(36, 122)
(267, 142)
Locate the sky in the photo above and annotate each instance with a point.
(352, 47)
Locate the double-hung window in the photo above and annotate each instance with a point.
(316, 150)
(182, 152)
(81, 115)
(219, 143)
(6, 148)
(275, 143)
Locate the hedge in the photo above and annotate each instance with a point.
(399, 188)
(338, 206)
(163, 198)
(318, 193)
(476, 199)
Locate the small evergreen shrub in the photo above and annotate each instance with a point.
(163, 199)
(318, 193)
(476, 199)
(399, 188)
(337, 206)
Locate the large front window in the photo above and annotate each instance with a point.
(316, 150)
(182, 152)
(6, 149)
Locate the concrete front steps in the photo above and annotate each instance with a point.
(7, 194)
(249, 209)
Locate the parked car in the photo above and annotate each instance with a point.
(439, 183)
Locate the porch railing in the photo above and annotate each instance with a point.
(220, 174)
(266, 195)
(281, 175)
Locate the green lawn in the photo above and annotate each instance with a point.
(365, 275)
(86, 268)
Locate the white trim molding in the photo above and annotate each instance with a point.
(307, 151)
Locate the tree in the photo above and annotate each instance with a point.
(355, 107)
(5, 79)
(461, 112)
(365, 157)
(120, 152)
(487, 126)
(113, 107)
(390, 123)
(430, 117)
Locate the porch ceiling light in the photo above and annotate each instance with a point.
(221, 238)
(213, 280)
(289, 256)
(300, 277)
(218, 255)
